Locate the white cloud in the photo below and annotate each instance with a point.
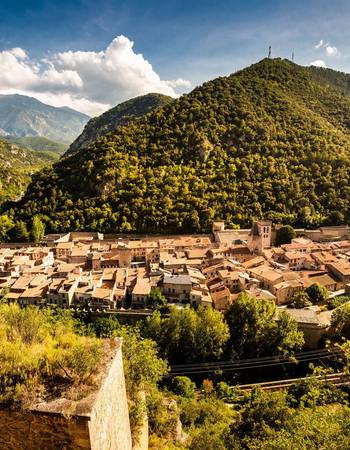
(180, 82)
(318, 63)
(332, 51)
(88, 81)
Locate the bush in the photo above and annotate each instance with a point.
(300, 300)
(317, 293)
(183, 386)
(335, 302)
(36, 346)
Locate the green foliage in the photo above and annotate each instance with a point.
(255, 332)
(39, 144)
(335, 302)
(16, 167)
(183, 386)
(20, 233)
(340, 321)
(119, 115)
(314, 392)
(37, 231)
(269, 141)
(6, 225)
(267, 412)
(317, 293)
(285, 235)
(325, 427)
(187, 335)
(162, 413)
(143, 369)
(300, 300)
(36, 346)
(105, 327)
(156, 299)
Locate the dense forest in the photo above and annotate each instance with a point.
(119, 115)
(16, 167)
(271, 141)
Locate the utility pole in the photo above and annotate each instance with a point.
(269, 52)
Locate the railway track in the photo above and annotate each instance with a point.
(253, 363)
(337, 379)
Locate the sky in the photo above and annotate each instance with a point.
(91, 55)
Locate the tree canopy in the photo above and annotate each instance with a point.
(255, 332)
(270, 141)
(187, 335)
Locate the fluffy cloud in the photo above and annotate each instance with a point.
(89, 81)
(318, 63)
(330, 51)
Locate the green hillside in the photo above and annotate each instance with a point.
(17, 164)
(119, 115)
(39, 143)
(271, 141)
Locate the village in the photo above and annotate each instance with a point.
(104, 273)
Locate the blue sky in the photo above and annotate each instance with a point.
(192, 41)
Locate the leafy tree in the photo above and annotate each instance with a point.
(335, 302)
(19, 232)
(183, 386)
(267, 412)
(285, 336)
(255, 332)
(340, 322)
(37, 231)
(105, 327)
(156, 299)
(317, 293)
(143, 370)
(285, 235)
(6, 224)
(300, 300)
(187, 335)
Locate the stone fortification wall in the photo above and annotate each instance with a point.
(98, 422)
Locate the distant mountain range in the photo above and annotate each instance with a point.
(22, 116)
(272, 140)
(119, 115)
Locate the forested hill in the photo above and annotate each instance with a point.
(271, 141)
(119, 115)
(16, 166)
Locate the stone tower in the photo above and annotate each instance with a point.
(260, 236)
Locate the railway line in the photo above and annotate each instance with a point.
(253, 363)
(338, 379)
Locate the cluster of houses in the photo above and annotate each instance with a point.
(97, 272)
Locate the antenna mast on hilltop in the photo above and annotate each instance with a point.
(269, 52)
(293, 55)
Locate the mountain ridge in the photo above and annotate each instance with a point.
(269, 141)
(22, 116)
(119, 115)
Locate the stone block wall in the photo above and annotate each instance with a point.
(98, 422)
